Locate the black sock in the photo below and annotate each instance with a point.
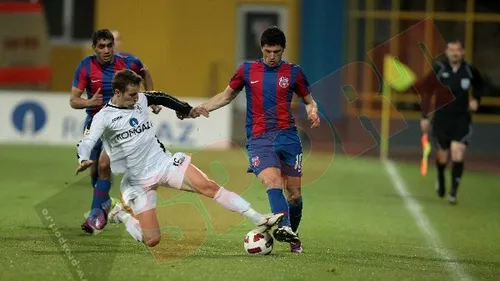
(456, 175)
(440, 173)
(295, 210)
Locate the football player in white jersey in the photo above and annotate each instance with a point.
(129, 139)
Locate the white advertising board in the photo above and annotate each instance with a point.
(47, 118)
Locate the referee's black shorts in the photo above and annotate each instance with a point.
(446, 130)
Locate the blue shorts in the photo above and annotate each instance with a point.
(96, 151)
(281, 149)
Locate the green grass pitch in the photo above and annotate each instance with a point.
(355, 225)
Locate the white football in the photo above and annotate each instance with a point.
(257, 243)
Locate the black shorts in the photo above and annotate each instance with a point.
(456, 129)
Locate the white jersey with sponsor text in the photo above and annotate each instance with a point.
(130, 140)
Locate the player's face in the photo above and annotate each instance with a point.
(130, 97)
(104, 49)
(272, 54)
(455, 52)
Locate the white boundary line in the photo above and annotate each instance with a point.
(423, 223)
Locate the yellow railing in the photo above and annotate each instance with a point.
(368, 101)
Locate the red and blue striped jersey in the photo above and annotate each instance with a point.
(91, 75)
(269, 93)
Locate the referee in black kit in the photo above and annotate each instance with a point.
(450, 82)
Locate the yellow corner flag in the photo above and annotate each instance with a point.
(398, 75)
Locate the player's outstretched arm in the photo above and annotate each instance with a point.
(88, 142)
(220, 100)
(160, 98)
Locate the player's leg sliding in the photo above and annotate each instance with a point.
(195, 180)
(144, 226)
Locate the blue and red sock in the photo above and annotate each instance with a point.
(279, 204)
(101, 199)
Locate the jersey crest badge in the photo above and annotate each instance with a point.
(465, 83)
(138, 107)
(283, 82)
(255, 161)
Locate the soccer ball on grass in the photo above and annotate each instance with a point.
(257, 243)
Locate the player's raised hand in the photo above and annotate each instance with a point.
(96, 99)
(314, 118)
(84, 165)
(200, 110)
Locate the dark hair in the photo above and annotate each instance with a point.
(102, 34)
(273, 36)
(456, 41)
(124, 78)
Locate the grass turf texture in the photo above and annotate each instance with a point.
(355, 225)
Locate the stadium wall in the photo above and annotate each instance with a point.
(190, 46)
(43, 118)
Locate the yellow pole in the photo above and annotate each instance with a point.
(386, 89)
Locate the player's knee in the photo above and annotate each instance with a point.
(442, 157)
(457, 156)
(152, 240)
(272, 180)
(293, 194)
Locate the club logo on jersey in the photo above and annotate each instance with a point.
(465, 83)
(283, 82)
(255, 161)
(133, 122)
(136, 130)
(138, 107)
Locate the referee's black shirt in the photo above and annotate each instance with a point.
(451, 89)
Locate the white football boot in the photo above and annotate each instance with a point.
(268, 221)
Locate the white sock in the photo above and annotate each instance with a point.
(231, 201)
(132, 225)
(253, 215)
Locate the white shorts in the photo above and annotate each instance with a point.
(142, 197)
